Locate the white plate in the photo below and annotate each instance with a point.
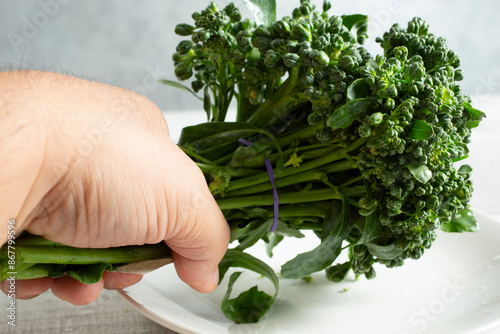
(454, 288)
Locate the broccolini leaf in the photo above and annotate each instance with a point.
(242, 309)
(421, 173)
(207, 103)
(206, 135)
(388, 252)
(251, 305)
(88, 274)
(466, 222)
(421, 130)
(477, 116)
(263, 11)
(358, 25)
(372, 229)
(473, 112)
(323, 255)
(255, 235)
(358, 89)
(338, 272)
(343, 117)
(179, 86)
(465, 169)
(273, 240)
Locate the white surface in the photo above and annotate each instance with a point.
(454, 288)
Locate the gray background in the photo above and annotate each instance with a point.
(129, 43)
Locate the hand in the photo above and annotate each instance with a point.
(91, 165)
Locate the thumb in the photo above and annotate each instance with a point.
(201, 244)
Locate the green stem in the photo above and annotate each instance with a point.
(284, 100)
(225, 92)
(73, 255)
(294, 179)
(316, 163)
(31, 271)
(236, 172)
(35, 240)
(351, 181)
(287, 198)
(244, 108)
(307, 132)
(290, 211)
(195, 155)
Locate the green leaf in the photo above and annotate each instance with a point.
(465, 151)
(465, 169)
(316, 260)
(247, 307)
(284, 230)
(421, 130)
(472, 124)
(35, 271)
(251, 305)
(251, 156)
(207, 103)
(358, 89)
(179, 86)
(348, 113)
(206, 135)
(273, 240)
(260, 231)
(323, 255)
(478, 115)
(213, 140)
(421, 173)
(338, 272)
(334, 216)
(263, 11)
(358, 25)
(88, 274)
(372, 230)
(465, 222)
(388, 252)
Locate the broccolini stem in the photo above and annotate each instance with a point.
(294, 179)
(316, 163)
(288, 198)
(285, 99)
(31, 271)
(73, 255)
(307, 132)
(35, 240)
(237, 172)
(244, 108)
(289, 211)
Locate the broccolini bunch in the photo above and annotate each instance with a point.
(360, 149)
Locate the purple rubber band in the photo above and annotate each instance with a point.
(245, 141)
(270, 171)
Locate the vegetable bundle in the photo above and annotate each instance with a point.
(359, 149)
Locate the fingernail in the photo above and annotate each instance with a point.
(216, 277)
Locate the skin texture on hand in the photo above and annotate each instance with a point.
(91, 165)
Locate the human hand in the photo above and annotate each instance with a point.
(91, 165)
